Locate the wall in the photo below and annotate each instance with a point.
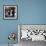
(33, 12)
(7, 26)
(29, 12)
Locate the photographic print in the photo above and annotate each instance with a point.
(32, 32)
(10, 11)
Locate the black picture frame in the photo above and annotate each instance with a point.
(10, 12)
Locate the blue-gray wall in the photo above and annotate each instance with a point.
(29, 12)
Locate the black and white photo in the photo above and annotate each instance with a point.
(10, 12)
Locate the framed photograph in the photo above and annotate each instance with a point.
(33, 32)
(10, 12)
